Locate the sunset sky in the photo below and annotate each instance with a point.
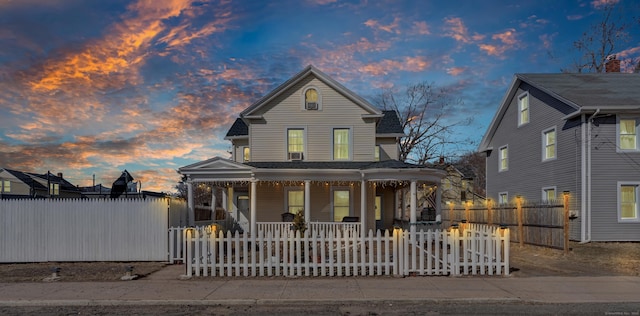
(95, 87)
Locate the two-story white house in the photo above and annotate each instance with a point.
(314, 146)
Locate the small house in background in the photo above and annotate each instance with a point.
(574, 133)
(19, 184)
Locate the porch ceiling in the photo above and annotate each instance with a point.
(323, 175)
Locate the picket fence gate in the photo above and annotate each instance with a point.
(472, 249)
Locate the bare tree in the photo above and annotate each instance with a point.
(475, 163)
(602, 41)
(425, 114)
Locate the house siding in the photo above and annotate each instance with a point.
(272, 201)
(238, 146)
(609, 167)
(268, 137)
(388, 148)
(527, 173)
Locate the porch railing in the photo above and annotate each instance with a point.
(324, 227)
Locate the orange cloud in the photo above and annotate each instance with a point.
(412, 64)
(455, 28)
(389, 28)
(421, 28)
(598, 4)
(456, 71)
(507, 41)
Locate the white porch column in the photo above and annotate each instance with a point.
(438, 200)
(224, 203)
(213, 202)
(363, 206)
(229, 205)
(190, 210)
(307, 200)
(412, 214)
(254, 202)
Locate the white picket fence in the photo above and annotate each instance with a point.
(477, 249)
(83, 230)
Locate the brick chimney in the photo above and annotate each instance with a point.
(613, 64)
(60, 175)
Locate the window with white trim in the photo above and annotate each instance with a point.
(311, 99)
(6, 186)
(246, 154)
(503, 198)
(341, 144)
(523, 109)
(295, 200)
(628, 201)
(341, 203)
(549, 144)
(549, 194)
(628, 134)
(295, 143)
(376, 153)
(54, 189)
(503, 158)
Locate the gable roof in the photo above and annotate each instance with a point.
(239, 128)
(586, 93)
(390, 124)
(64, 184)
(311, 70)
(25, 178)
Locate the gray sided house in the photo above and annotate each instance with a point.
(571, 132)
(312, 146)
(18, 184)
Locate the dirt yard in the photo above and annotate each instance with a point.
(593, 259)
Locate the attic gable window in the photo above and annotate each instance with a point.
(312, 99)
(523, 109)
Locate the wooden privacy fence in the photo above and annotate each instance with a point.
(479, 249)
(83, 230)
(540, 224)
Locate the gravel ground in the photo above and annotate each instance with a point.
(592, 259)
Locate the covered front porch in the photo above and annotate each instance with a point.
(364, 194)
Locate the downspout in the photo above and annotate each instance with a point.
(588, 218)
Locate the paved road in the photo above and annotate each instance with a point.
(341, 308)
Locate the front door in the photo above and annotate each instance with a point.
(378, 206)
(243, 214)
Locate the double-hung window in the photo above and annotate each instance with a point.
(628, 134)
(54, 189)
(295, 200)
(341, 144)
(549, 144)
(503, 157)
(523, 109)
(295, 143)
(549, 194)
(503, 198)
(341, 203)
(628, 201)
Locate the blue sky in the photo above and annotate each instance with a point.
(96, 87)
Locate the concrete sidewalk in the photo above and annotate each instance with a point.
(166, 287)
